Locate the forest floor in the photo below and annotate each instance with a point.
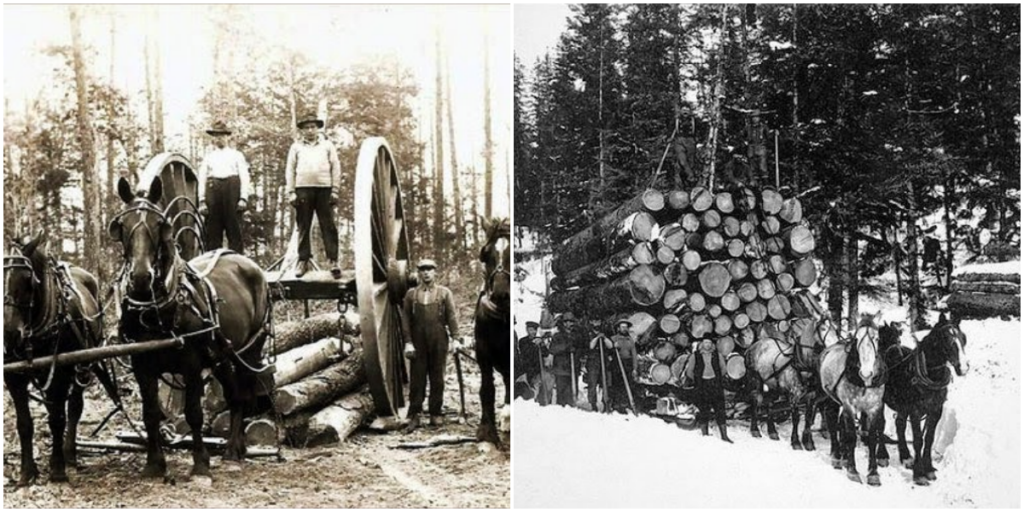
(367, 471)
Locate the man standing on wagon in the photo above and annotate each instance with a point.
(313, 183)
(224, 191)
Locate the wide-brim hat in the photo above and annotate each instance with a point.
(627, 322)
(219, 128)
(426, 263)
(310, 118)
(535, 325)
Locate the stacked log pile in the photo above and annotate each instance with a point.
(689, 265)
(317, 393)
(986, 290)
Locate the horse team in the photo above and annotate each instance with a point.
(851, 380)
(217, 306)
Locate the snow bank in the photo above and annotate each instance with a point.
(1005, 267)
(572, 458)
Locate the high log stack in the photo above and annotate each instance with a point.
(986, 290)
(689, 265)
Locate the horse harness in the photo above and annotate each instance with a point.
(849, 363)
(919, 367)
(490, 308)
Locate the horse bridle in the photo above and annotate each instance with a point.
(499, 267)
(144, 206)
(19, 262)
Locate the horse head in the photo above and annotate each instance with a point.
(889, 335)
(947, 343)
(24, 278)
(497, 258)
(866, 339)
(144, 231)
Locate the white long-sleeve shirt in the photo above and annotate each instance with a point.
(312, 165)
(225, 163)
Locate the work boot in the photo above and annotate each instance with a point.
(414, 423)
(437, 421)
(725, 434)
(704, 428)
(301, 268)
(335, 269)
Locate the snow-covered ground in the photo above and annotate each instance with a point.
(572, 458)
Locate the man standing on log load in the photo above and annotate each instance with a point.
(623, 342)
(563, 348)
(429, 322)
(224, 191)
(313, 184)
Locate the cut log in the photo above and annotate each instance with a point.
(783, 325)
(745, 338)
(776, 264)
(714, 311)
(771, 225)
(675, 275)
(713, 242)
(678, 199)
(755, 246)
(758, 269)
(747, 292)
(723, 325)
(747, 199)
(665, 254)
(681, 339)
(724, 202)
(711, 219)
(730, 301)
(289, 335)
(322, 387)
(805, 304)
(990, 277)
(700, 326)
(805, 272)
(738, 269)
(746, 228)
(300, 362)
(986, 287)
(665, 351)
(798, 240)
(697, 302)
(675, 299)
(641, 286)
(771, 201)
(669, 323)
(779, 307)
(641, 253)
(736, 247)
(725, 345)
(774, 245)
(714, 279)
(701, 199)
(740, 320)
(261, 432)
(792, 211)
(984, 305)
(673, 235)
(757, 311)
(784, 282)
(334, 423)
(735, 367)
(691, 260)
(690, 222)
(731, 226)
(765, 288)
(593, 243)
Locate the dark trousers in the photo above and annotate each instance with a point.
(431, 361)
(563, 390)
(222, 197)
(621, 399)
(709, 395)
(316, 200)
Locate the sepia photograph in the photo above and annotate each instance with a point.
(257, 256)
(767, 255)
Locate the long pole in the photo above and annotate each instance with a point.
(776, 159)
(625, 382)
(89, 355)
(604, 375)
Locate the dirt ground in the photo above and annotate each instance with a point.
(364, 472)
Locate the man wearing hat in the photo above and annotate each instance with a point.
(313, 181)
(529, 356)
(563, 347)
(224, 190)
(429, 322)
(598, 375)
(624, 344)
(705, 367)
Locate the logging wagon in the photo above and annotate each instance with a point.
(381, 275)
(682, 266)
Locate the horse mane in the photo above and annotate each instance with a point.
(495, 228)
(888, 336)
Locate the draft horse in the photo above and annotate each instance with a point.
(918, 385)
(218, 308)
(788, 364)
(50, 308)
(493, 323)
(853, 375)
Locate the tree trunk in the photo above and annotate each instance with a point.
(158, 86)
(488, 141)
(333, 424)
(460, 227)
(321, 387)
(642, 286)
(590, 244)
(290, 335)
(852, 281)
(714, 279)
(613, 266)
(916, 299)
(439, 244)
(90, 184)
(294, 365)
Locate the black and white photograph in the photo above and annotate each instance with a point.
(257, 256)
(767, 255)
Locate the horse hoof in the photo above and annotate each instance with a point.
(486, 447)
(755, 433)
(154, 471)
(921, 480)
(907, 463)
(837, 463)
(931, 476)
(874, 480)
(854, 477)
(883, 463)
(774, 436)
(797, 446)
(809, 446)
(204, 481)
(59, 478)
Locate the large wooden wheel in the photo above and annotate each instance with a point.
(382, 271)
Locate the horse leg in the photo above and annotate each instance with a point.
(901, 438)
(830, 414)
(758, 398)
(76, 403)
(808, 437)
(874, 429)
(794, 410)
(882, 453)
(486, 432)
(848, 419)
(18, 387)
(930, 425)
(234, 394)
(506, 411)
(156, 464)
(194, 418)
(773, 434)
(919, 472)
(57, 398)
